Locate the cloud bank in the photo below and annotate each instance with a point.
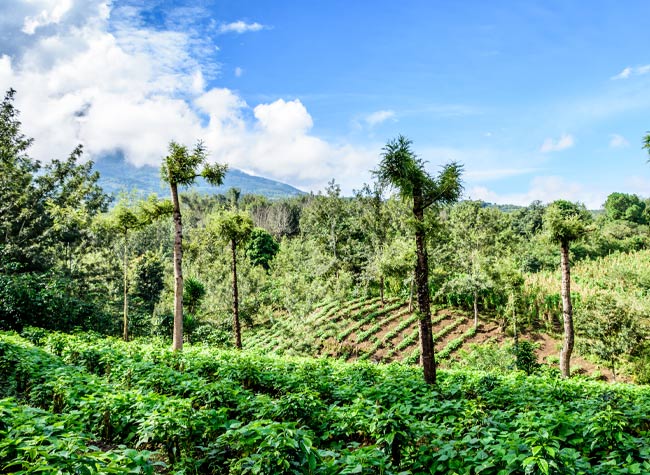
(88, 73)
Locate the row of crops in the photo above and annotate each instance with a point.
(364, 329)
(87, 404)
(622, 276)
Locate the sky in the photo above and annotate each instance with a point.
(539, 100)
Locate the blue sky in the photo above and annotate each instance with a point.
(539, 100)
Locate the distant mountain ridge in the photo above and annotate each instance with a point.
(117, 175)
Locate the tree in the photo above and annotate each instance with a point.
(400, 168)
(45, 212)
(280, 218)
(375, 221)
(232, 197)
(564, 223)
(613, 329)
(125, 218)
(180, 168)
(147, 279)
(623, 206)
(528, 221)
(193, 295)
(331, 220)
(480, 235)
(234, 228)
(261, 248)
(16, 182)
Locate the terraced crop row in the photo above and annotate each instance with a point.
(366, 320)
(330, 329)
(366, 317)
(456, 343)
(365, 335)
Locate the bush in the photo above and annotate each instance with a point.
(525, 356)
(489, 357)
(45, 301)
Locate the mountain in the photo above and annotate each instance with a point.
(116, 175)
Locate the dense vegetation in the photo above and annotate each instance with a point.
(98, 404)
(373, 277)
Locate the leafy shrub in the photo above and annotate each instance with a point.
(214, 411)
(525, 356)
(488, 357)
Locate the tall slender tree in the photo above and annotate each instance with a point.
(181, 168)
(125, 218)
(566, 222)
(400, 168)
(235, 228)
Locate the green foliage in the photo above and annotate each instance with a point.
(400, 168)
(193, 294)
(44, 211)
(565, 221)
(36, 441)
(622, 206)
(613, 329)
(528, 221)
(261, 248)
(231, 227)
(147, 279)
(212, 412)
(181, 166)
(489, 357)
(44, 300)
(525, 356)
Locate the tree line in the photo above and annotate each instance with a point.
(197, 268)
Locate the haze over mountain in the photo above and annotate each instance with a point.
(116, 175)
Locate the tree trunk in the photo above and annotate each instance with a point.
(178, 271)
(475, 309)
(427, 358)
(567, 313)
(235, 296)
(126, 295)
(381, 289)
(411, 293)
(514, 327)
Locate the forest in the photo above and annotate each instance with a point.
(393, 331)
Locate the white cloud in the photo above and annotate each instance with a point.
(624, 74)
(545, 189)
(633, 71)
(283, 118)
(238, 72)
(131, 89)
(52, 12)
(618, 141)
(378, 117)
(240, 27)
(564, 142)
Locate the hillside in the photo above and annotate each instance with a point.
(365, 330)
(117, 175)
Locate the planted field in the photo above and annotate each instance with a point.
(624, 276)
(363, 329)
(87, 404)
